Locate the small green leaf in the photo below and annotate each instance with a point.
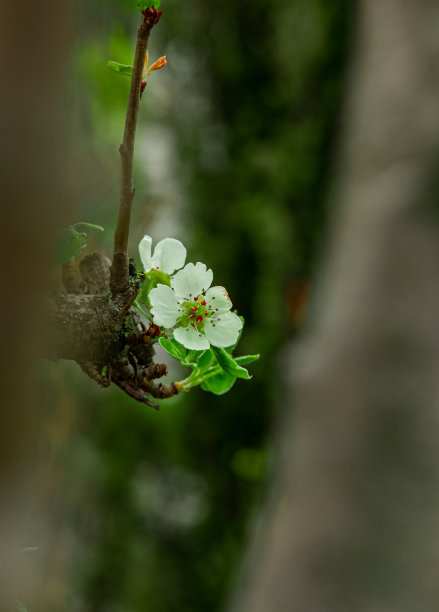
(120, 68)
(229, 365)
(205, 361)
(219, 383)
(147, 3)
(72, 240)
(174, 348)
(142, 296)
(82, 226)
(245, 359)
(69, 244)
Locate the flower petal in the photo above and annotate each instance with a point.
(217, 300)
(145, 252)
(164, 306)
(192, 281)
(169, 255)
(223, 330)
(190, 338)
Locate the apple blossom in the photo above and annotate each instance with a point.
(169, 255)
(200, 315)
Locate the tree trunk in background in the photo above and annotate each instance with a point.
(34, 47)
(353, 520)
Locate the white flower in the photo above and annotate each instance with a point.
(169, 255)
(201, 316)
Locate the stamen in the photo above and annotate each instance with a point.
(156, 267)
(194, 309)
(191, 316)
(193, 324)
(195, 298)
(199, 319)
(203, 303)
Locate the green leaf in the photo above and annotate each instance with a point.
(205, 361)
(142, 296)
(82, 226)
(229, 365)
(147, 3)
(69, 244)
(72, 240)
(245, 359)
(219, 383)
(120, 68)
(174, 348)
(20, 607)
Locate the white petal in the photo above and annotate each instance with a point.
(192, 281)
(165, 308)
(145, 252)
(217, 300)
(169, 255)
(191, 338)
(223, 330)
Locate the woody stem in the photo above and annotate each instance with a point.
(119, 277)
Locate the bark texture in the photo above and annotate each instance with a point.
(353, 519)
(96, 327)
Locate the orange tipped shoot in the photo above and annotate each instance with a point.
(158, 64)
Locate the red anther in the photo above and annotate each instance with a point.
(195, 299)
(191, 316)
(156, 267)
(199, 319)
(203, 302)
(193, 324)
(194, 308)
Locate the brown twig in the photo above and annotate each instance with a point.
(119, 277)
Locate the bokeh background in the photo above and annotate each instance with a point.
(235, 154)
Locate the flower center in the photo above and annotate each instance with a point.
(194, 313)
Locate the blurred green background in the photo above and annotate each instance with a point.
(234, 156)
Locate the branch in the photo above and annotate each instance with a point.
(98, 329)
(119, 277)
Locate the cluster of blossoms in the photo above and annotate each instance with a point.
(198, 314)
